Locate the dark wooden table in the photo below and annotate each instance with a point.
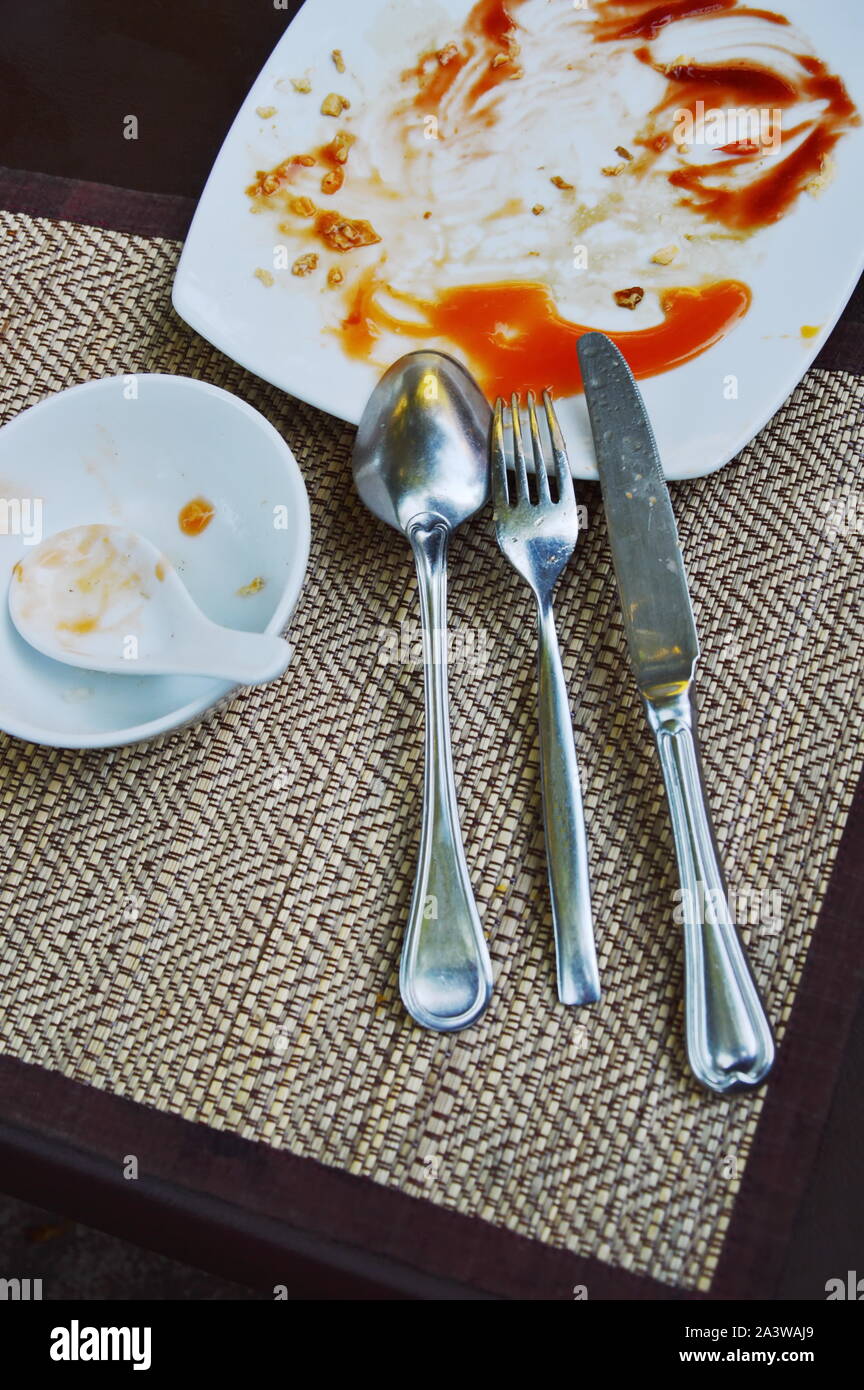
(70, 72)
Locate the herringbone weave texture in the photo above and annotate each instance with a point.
(211, 924)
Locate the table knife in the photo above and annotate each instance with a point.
(729, 1041)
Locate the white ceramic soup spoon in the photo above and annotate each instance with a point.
(104, 598)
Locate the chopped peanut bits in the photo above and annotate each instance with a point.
(666, 254)
(820, 181)
(613, 170)
(303, 207)
(345, 233)
(301, 84)
(446, 54)
(537, 209)
(559, 182)
(334, 277)
(340, 145)
(253, 587)
(622, 152)
(332, 181)
(304, 265)
(334, 105)
(270, 182)
(628, 299)
(264, 276)
(265, 112)
(338, 60)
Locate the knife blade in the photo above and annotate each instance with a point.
(729, 1041)
(655, 601)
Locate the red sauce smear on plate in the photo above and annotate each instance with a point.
(766, 196)
(645, 21)
(515, 339)
(488, 27)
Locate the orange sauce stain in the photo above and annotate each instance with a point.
(196, 516)
(644, 19)
(489, 29)
(514, 339)
(160, 571)
(739, 84)
(80, 626)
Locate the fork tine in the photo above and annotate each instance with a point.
(522, 494)
(543, 496)
(566, 492)
(498, 460)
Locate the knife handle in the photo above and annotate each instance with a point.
(729, 1041)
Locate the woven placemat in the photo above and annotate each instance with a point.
(211, 924)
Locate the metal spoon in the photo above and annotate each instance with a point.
(104, 598)
(420, 464)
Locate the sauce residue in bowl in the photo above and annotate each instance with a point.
(82, 581)
(196, 516)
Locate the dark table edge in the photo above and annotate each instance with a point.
(374, 1218)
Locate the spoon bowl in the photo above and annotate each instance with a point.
(105, 599)
(421, 442)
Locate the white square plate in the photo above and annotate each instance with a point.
(801, 270)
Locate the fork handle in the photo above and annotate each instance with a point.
(445, 975)
(566, 842)
(729, 1042)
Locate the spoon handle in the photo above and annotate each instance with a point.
(446, 975)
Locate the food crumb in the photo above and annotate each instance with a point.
(537, 209)
(820, 181)
(265, 112)
(332, 181)
(613, 170)
(622, 152)
(301, 84)
(304, 265)
(345, 233)
(303, 207)
(559, 182)
(446, 54)
(810, 330)
(628, 299)
(333, 104)
(666, 255)
(338, 60)
(426, 215)
(264, 276)
(340, 145)
(334, 276)
(253, 587)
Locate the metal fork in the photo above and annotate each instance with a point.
(538, 539)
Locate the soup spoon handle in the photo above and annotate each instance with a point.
(446, 975)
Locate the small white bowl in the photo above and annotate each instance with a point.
(133, 451)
